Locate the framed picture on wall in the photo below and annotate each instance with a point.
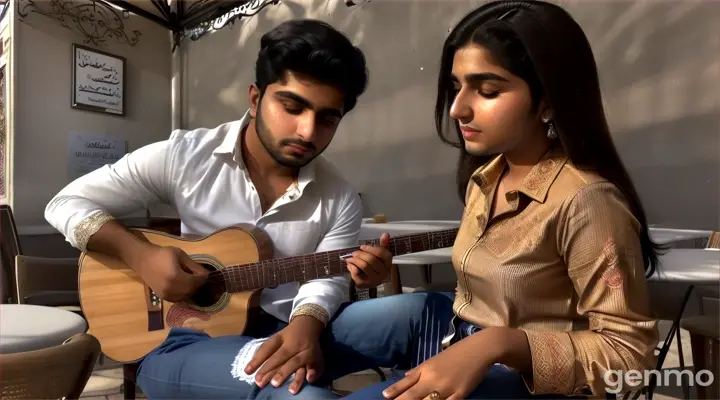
(98, 81)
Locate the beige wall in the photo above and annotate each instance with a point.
(659, 64)
(43, 117)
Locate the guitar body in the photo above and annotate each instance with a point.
(130, 321)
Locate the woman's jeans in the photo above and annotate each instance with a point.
(499, 383)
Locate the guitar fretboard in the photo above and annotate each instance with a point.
(274, 272)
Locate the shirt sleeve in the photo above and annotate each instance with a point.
(599, 239)
(321, 298)
(138, 179)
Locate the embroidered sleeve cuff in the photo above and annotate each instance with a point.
(553, 361)
(87, 227)
(313, 310)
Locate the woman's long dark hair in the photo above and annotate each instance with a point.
(542, 44)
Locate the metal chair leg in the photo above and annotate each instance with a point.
(674, 330)
(684, 383)
(380, 373)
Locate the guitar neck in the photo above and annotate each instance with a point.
(269, 273)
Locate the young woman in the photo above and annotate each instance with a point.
(553, 249)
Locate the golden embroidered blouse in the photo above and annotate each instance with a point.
(565, 266)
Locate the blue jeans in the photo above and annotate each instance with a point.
(499, 383)
(393, 332)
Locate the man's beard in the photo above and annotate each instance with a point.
(266, 140)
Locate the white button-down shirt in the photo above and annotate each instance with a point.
(201, 173)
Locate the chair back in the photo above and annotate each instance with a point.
(51, 282)
(53, 373)
(9, 248)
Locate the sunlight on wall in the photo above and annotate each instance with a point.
(658, 61)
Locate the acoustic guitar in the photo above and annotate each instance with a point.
(130, 320)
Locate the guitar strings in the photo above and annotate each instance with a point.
(299, 261)
(282, 266)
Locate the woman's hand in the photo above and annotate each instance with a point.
(453, 374)
(457, 371)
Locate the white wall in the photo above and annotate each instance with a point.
(44, 119)
(659, 63)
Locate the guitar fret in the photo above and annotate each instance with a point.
(304, 268)
(238, 279)
(249, 275)
(312, 266)
(327, 262)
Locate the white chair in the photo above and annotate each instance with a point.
(25, 327)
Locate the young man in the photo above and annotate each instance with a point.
(265, 170)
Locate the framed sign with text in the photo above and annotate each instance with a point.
(98, 81)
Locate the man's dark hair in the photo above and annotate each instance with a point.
(315, 49)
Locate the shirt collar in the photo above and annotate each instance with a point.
(535, 185)
(229, 145)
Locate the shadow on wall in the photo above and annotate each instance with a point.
(386, 146)
(658, 62)
(413, 197)
(677, 178)
(221, 66)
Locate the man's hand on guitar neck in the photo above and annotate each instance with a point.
(169, 272)
(295, 349)
(370, 265)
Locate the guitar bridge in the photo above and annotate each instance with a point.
(154, 302)
(154, 306)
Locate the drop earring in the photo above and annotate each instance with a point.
(551, 131)
(551, 134)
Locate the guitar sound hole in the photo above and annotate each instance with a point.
(210, 293)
